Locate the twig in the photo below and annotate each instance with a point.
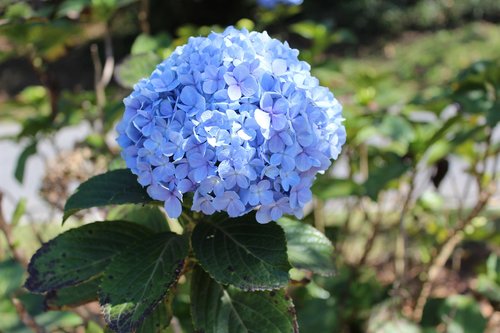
(402, 240)
(17, 253)
(143, 16)
(444, 254)
(351, 209)
(26, 317)
(102, 75)
(370, 242)
(456, 236)
(319, 214)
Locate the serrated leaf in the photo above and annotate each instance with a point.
(218, 309)
(159, 320)
(71, 296)
(80, 253)
(111, 188)
(242, 252)
(23, 158)
(138, 279)
(307, 247)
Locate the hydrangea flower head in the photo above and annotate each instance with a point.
(236, 119)
(273, 3)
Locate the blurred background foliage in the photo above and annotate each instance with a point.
(411, 206)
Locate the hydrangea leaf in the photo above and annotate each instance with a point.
(242, 252)
(148, 216)
(79, 254)
(218, 309)
(138, 279)
(111, 188)
(73, 295)
(308, 248)
(159, 319)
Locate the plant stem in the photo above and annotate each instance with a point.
(456, 236)
(402, 239)
(26, 317)
(7, 231)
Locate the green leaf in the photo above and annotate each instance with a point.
(488, 288)
(218, 309)
(93, 327)
(23, 158)
(71, 8)
(11, 277)
(138, 279)
(136, 67)
(148, 216)
(386, 319)
(462, 314)
(71, 296)
(242, 252)
(159, 320)
(18, 212)
(307, 247)
(146, 43)
(328, 188)
(80, 254)
(386, 168)
(111, 188)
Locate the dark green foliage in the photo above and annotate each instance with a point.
(80, 254)
(139, 278)
(148, 216)
(74, 295)
(242, 252)
(112, 188)
(217, 309)
(159, 320)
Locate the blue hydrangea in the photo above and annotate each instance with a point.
(273, 3)
(236, 119)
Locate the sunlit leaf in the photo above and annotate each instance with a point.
(242, 252)
(307, 247)
(111, 188)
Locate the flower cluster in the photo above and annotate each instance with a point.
(273, 3)
(236, 119)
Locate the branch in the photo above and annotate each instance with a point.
(456, 236)
(102, 75)
(402, 239)
(446, 251)
(143, 17)
(25, 317)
